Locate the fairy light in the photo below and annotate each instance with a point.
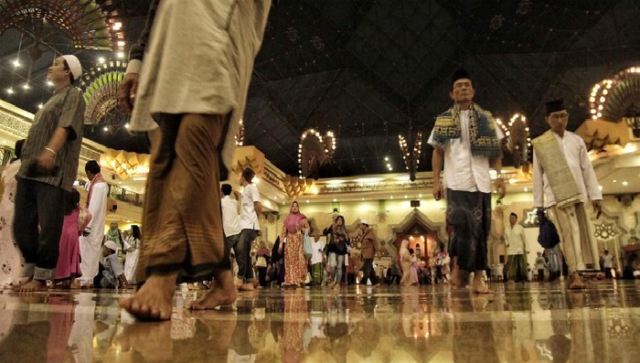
(329, 149)
(410, 154)
(598, 97)
(240, 136)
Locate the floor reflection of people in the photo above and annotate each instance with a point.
(81, 337)
(38, 335)
(293, 329)
(186, 338)
(473, 339)
(61, 321)
(366, 333)
(242, 348)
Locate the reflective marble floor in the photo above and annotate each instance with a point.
(522, 323)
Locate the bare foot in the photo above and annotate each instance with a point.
(246, 287)
(31, 286)
(482, 290)
(455, 280)
(222, 292)
(216, 297)
(478, 286)
(154, 300)
(576, 283)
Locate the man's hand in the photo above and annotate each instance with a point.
(437, 190)
(597, 207)
(127, 92)
(47, 160)
(501, 188)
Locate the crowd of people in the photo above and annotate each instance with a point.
(304, 255)
(115, 260)
(191, 121)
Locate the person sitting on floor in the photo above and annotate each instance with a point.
(113, 274)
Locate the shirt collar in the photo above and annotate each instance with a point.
(59, 90)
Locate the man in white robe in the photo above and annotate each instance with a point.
(91, 239)
(565, 195)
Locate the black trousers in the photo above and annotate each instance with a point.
(37, 225)
(368, 272)
(262, 276)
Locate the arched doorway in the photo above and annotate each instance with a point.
(424, 236)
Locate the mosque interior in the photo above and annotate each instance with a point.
(343, 98)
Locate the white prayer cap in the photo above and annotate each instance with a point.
(364, 221)
(74, 65)
(111, 245)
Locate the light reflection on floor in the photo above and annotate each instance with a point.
(524, 323)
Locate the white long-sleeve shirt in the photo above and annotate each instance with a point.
(463, 171)
(575, 152)
(98, 209)
(516, 242)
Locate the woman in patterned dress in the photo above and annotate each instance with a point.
(11, 260)
(295, 263)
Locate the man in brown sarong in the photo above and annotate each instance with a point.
(191, 106)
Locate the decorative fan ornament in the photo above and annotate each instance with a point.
(518, 142)
(87, 24)
(610, 99)
(100, 88)
(411, 156)
(314, 151)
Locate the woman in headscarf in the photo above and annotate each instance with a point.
(337, 249)
(403, 258)
(114, 234)
(132, 246)
(11, 260)
(295, 263)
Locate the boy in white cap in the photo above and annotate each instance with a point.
(113, 274)
(49, 167)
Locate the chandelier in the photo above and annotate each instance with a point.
(100, 88)
(612, 99)
(518, 142)
(411, 154)
(126, 164)
(88, 24)
(314, 151)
